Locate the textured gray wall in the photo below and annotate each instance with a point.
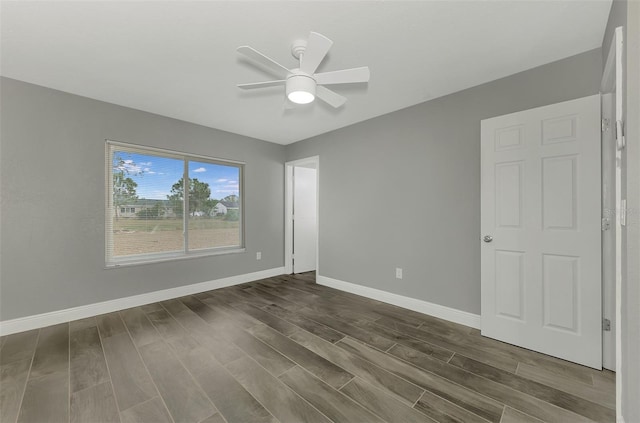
(403, 189)
(53, 196)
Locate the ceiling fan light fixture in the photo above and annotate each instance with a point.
(301, 89)
(301, 97)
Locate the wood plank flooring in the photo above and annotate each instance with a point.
(285, 349)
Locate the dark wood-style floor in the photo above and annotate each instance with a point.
(285, 349)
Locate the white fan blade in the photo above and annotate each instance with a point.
(260, 58)
(330, 97)
(317, 47)
(344, 76)
(261, 84)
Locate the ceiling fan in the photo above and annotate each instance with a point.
(302, 84)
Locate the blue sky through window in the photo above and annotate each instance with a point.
(155, 175)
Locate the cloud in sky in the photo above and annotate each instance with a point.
(129, 167)
(221, 180)
(200, 170)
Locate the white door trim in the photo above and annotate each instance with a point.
(612, 82)
(288, 214)
(608, 232)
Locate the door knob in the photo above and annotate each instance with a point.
(487, 238)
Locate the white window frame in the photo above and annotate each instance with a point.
(111, 261)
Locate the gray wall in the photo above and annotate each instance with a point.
(403, 189)
(627, 14)
(53, 195)
(617, 17)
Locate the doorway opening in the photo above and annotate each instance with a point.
(301, 215)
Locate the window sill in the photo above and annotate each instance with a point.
(168, 257)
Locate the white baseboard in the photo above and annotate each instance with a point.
(21, 324)
(435, 310)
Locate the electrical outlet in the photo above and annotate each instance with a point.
(259, 255)
(398, 273)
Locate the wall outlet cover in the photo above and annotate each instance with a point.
(398, 273)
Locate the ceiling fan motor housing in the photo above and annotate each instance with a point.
(298, 47)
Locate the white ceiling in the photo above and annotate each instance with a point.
(178, 58)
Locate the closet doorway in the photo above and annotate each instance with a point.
(301, 229)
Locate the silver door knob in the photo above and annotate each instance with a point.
(487, 238)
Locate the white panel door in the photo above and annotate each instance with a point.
(541, 246)
(304, 219)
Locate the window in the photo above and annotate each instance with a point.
(148, 216)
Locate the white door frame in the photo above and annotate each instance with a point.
(612, 82)
(608, 232)
(288, 211)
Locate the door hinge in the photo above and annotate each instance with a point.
(604, 125)
(606, 325)
(620, 141)
(606, 224)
